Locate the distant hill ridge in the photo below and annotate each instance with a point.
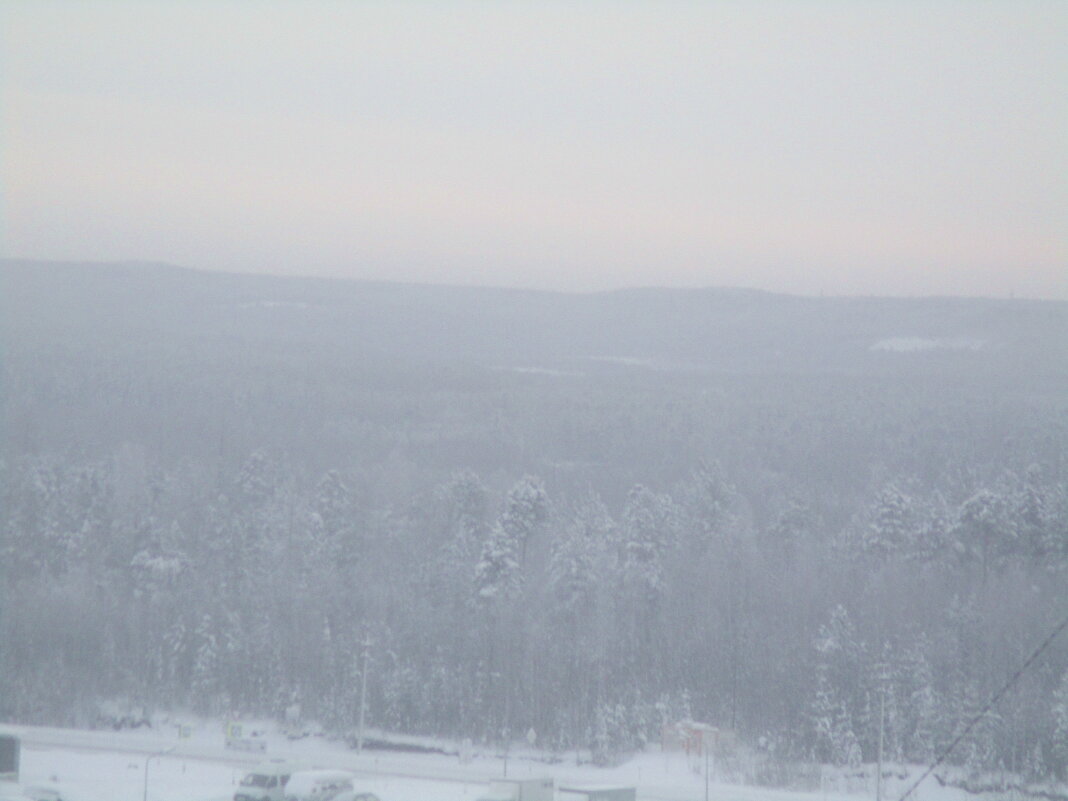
(738, 330)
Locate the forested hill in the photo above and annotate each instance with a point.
(684, 329)
(587, 514)
(603, 389)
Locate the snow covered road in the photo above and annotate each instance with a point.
(110, 766)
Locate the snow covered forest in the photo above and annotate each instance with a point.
(589, 515)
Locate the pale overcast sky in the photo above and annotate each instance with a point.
(846, 147)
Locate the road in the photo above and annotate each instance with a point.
(657, 777)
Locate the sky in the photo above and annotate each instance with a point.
(895, 148)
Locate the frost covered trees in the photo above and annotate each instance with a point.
(922, 703)
(838, 656)
(497, 576)
(336, 511)
(464, 500)
(492, 607)
(644, 537)
(893, 524)
(525, 509)
(204, 683)
(581, 557)
(1059, 746)
(984, 535)
(581, 565)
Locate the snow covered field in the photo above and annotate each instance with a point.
(101, 776)
(187, 774)
(111, 766)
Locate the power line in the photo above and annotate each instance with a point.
(989, 705)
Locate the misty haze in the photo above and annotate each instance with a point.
(501, 403)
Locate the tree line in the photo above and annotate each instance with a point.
(489, 607)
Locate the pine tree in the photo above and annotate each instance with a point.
(846, 746)
(933, 538)
(1055, 545)
(839, 664)
(822, 715)
(334, 507)
(707, 504)
(37, 543)
(254, 480)
(464, 500)
(497, 572)
(1031, 510)
(963, 706)
(205, 680)
(525, 510)
(792, 528)
(577, 553)
(881, 708)
(1059, 747)
(892, 527)
(613, 732)
(983, 533)
(86, 513)
(922, 703)
(644, 537)
(173, 655)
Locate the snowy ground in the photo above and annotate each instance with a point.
(110, 766)
(101, 776)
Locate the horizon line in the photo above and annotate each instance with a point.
(725, 288)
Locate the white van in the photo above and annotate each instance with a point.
(317, 785)
(266, 782)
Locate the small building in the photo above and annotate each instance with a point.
(697, 739)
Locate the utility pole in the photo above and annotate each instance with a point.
(148, 759)
(879, 764)
(506, 736)
(363, 693)
(704, 747)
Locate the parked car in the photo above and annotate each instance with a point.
(266, 782)
(318, 785)
(352, 795)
